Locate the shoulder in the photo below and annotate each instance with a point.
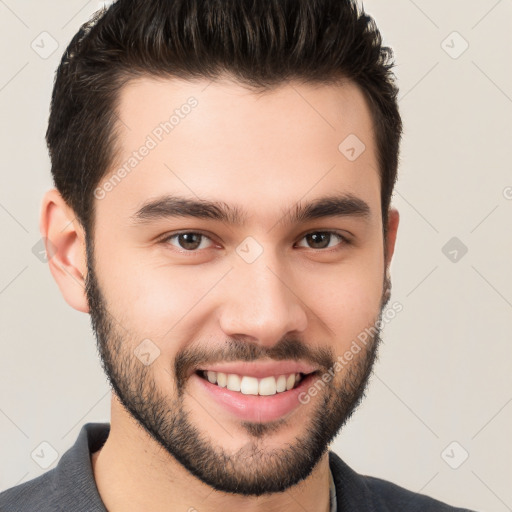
(395, 497)
(360, 492)
(36, 494)
(68, 486)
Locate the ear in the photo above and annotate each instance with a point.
(392, 228)
(64, 240)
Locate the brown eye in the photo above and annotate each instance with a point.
(322, 239)
(188, 241)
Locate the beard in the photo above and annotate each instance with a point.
(251, 470)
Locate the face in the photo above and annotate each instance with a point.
(260, 276)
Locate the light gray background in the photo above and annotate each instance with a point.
(445, 369)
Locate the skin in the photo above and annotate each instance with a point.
(263, 153)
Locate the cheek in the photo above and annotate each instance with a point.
(347, 298)
(155, 300)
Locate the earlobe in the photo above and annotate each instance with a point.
(64, 239)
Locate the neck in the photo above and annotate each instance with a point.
(134, 473)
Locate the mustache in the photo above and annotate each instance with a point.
(240, 349)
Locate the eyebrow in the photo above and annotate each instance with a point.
(169, 206)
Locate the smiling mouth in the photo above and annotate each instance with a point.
(248, 385)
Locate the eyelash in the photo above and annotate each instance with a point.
(344, 241)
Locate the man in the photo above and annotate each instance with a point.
(223, 178)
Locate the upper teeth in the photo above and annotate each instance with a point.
(251, 385)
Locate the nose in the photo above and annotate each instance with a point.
(262, 301)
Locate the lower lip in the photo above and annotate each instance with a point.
(257, 408)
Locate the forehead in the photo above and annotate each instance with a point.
(220, 141)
